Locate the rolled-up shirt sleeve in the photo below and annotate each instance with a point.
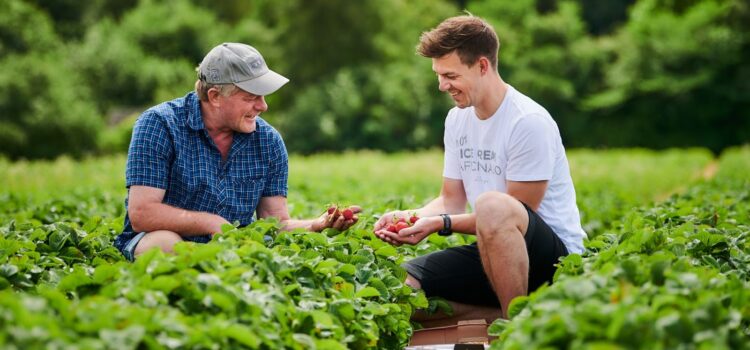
(149, 153)
(278, 171)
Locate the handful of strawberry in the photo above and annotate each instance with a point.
(335, 212)
(402, 223)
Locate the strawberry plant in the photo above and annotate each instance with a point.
(669, 276)
(302, 290)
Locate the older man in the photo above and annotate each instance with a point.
(208, 159)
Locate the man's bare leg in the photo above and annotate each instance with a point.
(460, 311)
(163, 239)
(501, 225)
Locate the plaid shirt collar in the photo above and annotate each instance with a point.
(194, 119)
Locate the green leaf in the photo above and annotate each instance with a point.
(294, 287)
(367, 292)
(8, 270)
(326, 266)
(380, 286)
(439, 304)
(221, 300)
(346, 289)
(347, 269)
(4, 283)
(329, 344)
(105, 273)
(419, 300)
(322, 319)
(343, 309)
(242, 334)
(127, 338)
(205, 252)
(57, 239)
(517, 305)
(165, 283)
(386, 251)
(498, 326)
(71, 252)
(74, 280)
(226, 228)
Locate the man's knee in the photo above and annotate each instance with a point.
(496, 211)
(494, 203)
(161, 239)
(413, 282)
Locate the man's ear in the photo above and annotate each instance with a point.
(213, 96)
(484, 65)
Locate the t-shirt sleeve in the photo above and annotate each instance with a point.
(451, 168)
(531, 150)
(278, 171)
(149, 153)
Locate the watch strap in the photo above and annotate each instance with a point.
(446, 230)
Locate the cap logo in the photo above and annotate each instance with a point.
(256, 65)
(213, 74)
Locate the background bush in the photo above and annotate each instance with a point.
(648, 73)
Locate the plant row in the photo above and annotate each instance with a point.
(672, 276)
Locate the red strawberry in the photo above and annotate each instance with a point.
(348, 214)
(401, 225)
(392, 228)
(413, 218)
(331, 209)
(400, 220)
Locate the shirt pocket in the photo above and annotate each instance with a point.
(190, 188)
(248, 189)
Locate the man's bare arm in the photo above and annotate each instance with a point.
(529, 192)
(276, 206)
(452, 200)
(147, 213)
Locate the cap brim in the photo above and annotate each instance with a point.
(264, 84)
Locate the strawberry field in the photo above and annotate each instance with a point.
(666, 265)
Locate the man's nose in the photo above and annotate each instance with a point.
(261, 104)
(443, 84)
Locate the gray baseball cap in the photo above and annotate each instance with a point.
(241, 65)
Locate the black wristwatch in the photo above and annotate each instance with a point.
(446, 230)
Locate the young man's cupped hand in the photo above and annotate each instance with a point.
(400, 227)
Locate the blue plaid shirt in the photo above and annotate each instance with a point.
(171, 150)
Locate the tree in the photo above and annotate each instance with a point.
(679, 77)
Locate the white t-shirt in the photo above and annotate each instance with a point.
(520, 142)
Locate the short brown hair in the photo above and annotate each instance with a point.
(471, 37)
(202, 87)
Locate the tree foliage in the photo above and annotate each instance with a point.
(652, 73)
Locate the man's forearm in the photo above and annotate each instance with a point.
(464, 223)
(439, 206)
(160, 216)
(291, 224)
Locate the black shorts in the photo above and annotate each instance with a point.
(456, 273)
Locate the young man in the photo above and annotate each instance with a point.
(208, 159)
(504, 154)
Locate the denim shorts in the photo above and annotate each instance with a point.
(127, 241)
(129, 250)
